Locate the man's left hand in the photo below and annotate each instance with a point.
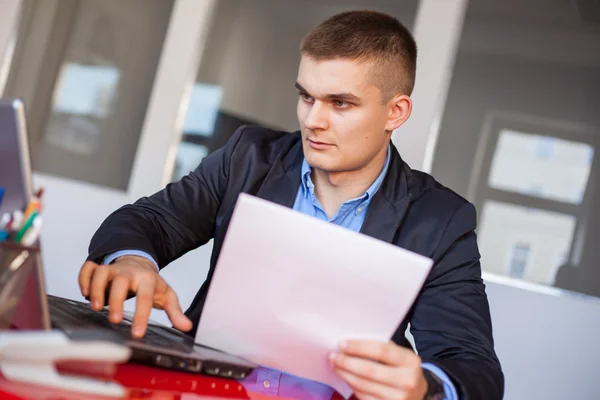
(380, 371)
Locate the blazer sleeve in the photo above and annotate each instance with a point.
(174, 220)
(451, 321)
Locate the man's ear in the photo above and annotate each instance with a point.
(400, 107)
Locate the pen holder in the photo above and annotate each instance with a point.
(19, 283)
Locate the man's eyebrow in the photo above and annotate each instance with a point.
(300, 88)
(336, 96)
(344, 96)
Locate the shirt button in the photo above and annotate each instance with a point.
(267, 384)
(360, 209)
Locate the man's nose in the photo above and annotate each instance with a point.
(317, 116)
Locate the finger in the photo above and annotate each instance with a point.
(173, 310)
(364, 368)
(119, 288)
(369, 388)
(143, 306)
(387, 353)
(100, 279)
(85, 276)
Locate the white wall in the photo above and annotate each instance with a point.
(68, 229)
(547, 341)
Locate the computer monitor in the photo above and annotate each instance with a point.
(15, 164)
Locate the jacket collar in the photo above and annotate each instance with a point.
(388, 207)
(390, 203)
(283, 180)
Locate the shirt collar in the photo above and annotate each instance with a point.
(309, 187)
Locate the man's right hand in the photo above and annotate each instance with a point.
(131, 274)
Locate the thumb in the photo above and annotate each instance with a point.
(173, 310)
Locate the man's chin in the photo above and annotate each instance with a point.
(320, 161)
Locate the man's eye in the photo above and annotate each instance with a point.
(341, 104)
(306, 97)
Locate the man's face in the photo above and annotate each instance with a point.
(342, 115)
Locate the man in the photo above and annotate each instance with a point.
(355, 77)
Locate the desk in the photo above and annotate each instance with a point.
(143, 382)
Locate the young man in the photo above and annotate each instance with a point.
(356, 74)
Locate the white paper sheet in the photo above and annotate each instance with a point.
(289, 288)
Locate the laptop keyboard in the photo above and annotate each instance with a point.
(65, 313)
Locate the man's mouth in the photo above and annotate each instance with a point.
(315, 144)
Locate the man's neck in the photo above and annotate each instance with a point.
(334, 188)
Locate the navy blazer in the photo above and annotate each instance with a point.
(450, 319)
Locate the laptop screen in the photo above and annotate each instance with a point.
(22, 296)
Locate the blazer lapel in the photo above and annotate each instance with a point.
(283, 180)
(384, 218)
(390, 203)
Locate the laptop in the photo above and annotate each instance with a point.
(32, 308)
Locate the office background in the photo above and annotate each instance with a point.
(124, 96)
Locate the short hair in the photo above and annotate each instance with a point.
(368, 36)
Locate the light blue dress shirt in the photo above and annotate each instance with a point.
(351, 215)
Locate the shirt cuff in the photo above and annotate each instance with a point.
(449, 389)
(112, 257)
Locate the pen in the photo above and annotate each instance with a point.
(35, 204)
(33, 234)
(25, 226)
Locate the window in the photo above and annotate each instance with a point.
(532, 186)
(198, 128)
(85, 70)
(541, 166)
(508, 231)
(84, 96)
